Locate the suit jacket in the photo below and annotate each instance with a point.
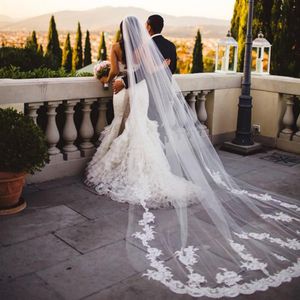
(168, 51)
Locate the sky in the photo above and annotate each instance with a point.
(220, 9)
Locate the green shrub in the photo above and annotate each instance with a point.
(16, 73)
(23, 146)
(24, 58)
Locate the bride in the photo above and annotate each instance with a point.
(209, 234)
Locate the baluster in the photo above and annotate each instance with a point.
(101, 121)
(32, 110)
(202, 113)
(288, 119)
(296, 137)
(86, 129)
(52, 133)
(191, 99)
(69, 132)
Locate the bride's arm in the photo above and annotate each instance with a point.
(114, 68)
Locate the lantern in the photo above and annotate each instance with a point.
(226, 55)
(261, 55)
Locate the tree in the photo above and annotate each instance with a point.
(87, 50)
(238, 29)
(286, 41)
(117, 36)
(31, 42)
(102, 51)
(77, 51)
(67, 55)
(280, 23)
(53, 50)
(197, 65)
(40, 50)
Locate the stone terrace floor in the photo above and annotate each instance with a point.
(69, 242)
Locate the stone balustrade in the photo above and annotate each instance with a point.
(74, 111)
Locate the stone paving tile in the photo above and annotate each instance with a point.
(39, 223)
(95, 206)
(90, 235)
(62, 182)
(263, 177)
(54, 196)
(33, 255)
(241, 166)
(286, 291)
(86, 274)
(137, 288)
(100, 274)
(29, 287)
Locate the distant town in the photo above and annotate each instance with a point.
(184, 45)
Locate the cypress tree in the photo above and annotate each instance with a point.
(262, 18)
(53, 50)
(197, 66)
(102, 51)
(67, 55)
(238, 29)
(117, 36)
(40, 50)
(87, 50)
(31, 42)
(286, 48)
(77, 51)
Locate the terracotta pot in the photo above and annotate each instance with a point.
(11, 186)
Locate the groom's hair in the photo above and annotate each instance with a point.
(156, 22)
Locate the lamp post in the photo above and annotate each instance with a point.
(243, 142)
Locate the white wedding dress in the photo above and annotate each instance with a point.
(210, 235)
(133, 165)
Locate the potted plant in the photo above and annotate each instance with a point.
(23, 150)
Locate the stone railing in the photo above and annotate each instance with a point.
(280, 110)
(73, 112)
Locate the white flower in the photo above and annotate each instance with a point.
(196, 279)
(187, 255)
(148, 217)
(228, 277)
(279, 217)
(153, 253)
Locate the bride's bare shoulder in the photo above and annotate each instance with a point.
(118, 51)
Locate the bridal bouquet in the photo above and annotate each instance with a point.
(102, 69)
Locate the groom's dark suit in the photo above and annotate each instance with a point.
(168, 51)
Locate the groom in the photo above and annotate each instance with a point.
(154, 25)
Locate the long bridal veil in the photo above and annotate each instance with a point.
(229, 238)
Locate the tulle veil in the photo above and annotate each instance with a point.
(232, 238)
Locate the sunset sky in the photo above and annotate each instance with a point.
(220, 9)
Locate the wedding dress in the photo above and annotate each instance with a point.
(209, 235)
(133, 164)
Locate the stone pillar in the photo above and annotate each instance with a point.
(70, 132)
(52, 133)
(101, 121)
(32, 110)
(202, 113)
(288, 119)
(86, 129)
(296, 137)
(191, 99)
